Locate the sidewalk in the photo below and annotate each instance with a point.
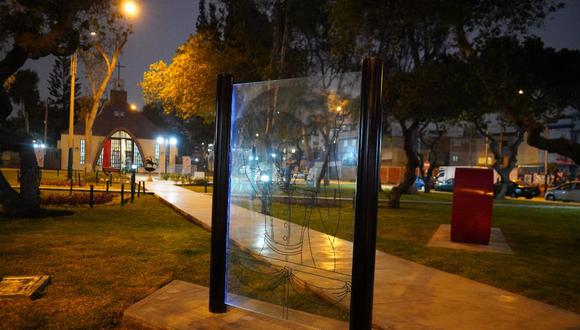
(407, 295)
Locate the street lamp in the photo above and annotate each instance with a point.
(168, 141)
(133, 107)
(130, 8)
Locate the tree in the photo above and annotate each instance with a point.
(33, 30)
(59, 100)
(109, 34)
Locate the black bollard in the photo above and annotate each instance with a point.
(122, 193)
(139, 189)
(132, 186)
(205, 186)
(71, 187)
(143, 186)
(107, 185)
(91, 196)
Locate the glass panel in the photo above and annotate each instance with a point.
(116, 154)
(292, 188)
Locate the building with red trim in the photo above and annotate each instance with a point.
(121, 137)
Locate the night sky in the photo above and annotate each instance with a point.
(165, 24)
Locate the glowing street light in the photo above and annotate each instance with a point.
(521, 92)
(133, 106)
(130, 8)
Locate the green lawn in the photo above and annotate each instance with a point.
(104, 259)
(545, 265)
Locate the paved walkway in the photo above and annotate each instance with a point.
(407, 295)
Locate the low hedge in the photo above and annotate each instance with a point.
(63, 198)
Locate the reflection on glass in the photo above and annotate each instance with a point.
(294, 152)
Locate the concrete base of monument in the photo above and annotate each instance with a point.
(182, 305)
(497, 242)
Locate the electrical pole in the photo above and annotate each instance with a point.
(45, 121)
(71, 120)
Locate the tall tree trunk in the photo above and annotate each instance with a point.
(410, 147)
(504, 169)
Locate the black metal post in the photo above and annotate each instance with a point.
(132, 186)
(91, 196)
(220, 207)
(365, 227)
(143, 186)
(139, 189)
(71, 186)
(205, 186)
(69, 173)
(107, 185)
(122, 194)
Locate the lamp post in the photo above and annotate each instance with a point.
(167, 141)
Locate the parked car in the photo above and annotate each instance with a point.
(446, 185)
(519, 189)
(569, 192)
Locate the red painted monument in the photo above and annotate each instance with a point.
(472, 206)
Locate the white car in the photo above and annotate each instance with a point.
(569, 192)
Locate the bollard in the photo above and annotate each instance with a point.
(91, 197)
(143, 186)
(122, 194)
(132, 187)
(71, 187)
(205, 186)
(107, 184)
(139, 189)
(79, 178)
(57, 173)
(334, 197)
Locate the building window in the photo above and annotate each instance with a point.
(157, 153)
(455, 158)
(82, 158)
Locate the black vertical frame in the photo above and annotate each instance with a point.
(221, 187)
(368, 174)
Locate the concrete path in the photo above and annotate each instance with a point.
(407, 295)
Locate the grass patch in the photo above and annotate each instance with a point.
(102, 260)
(546, 241)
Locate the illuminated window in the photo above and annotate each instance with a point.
(82, 158)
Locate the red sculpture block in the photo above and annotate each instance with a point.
(472, 206)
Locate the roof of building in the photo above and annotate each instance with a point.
(117, 115)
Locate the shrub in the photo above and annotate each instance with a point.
(200, 181)
(77, 198)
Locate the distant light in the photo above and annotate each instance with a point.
(338, 109)
(197, 159)
(265, 178)
(203, 143)
(43, 145)
(210, 145)
(173, 141)
(251, 158)
(293, 150)
(133, 106)
(35, 145)
(521, 92)
(257, 134)
(273, 155)
(130, 8)
(134, 166)
(93, 33)
(160, 140)
(257, 158)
